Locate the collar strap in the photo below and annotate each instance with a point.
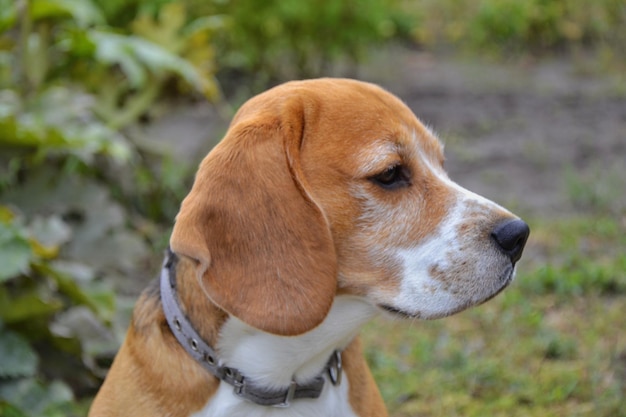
(206, 356)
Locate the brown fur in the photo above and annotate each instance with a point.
(272, 220)
(159, 370)
(152, 375)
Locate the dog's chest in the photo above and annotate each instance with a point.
(272, 361)
(333, 402)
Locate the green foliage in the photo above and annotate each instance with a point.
(286, 39)
(35, 289)
(510, 27)
(540, 24)
(53, 400)
(122, 74)
(503, 22)
(58, 120)
(15, 251)
(18, 358)
(70, 85)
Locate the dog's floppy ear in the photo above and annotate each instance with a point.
(263, 246)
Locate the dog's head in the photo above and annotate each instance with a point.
(334, 186)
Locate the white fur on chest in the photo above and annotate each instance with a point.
(333, 402)
(272, 361)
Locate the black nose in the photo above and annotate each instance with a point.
(511, 237)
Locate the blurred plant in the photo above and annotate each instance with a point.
(39, 295)
(60, 254)
(70, 85)
(51, 40)
(509, 27)
(286, 39)
(70, 82)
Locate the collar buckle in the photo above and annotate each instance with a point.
(236, 380)
(335, 368)
(291, 391)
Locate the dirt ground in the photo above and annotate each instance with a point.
(545, 138)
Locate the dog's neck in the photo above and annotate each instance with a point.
(273, 361)
(269, 360)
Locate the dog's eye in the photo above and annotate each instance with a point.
(393, 177)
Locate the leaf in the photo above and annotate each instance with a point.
(120, 249)
(17, 358)
(37, 399)
(48, 233)
(6, 215)
(8, 14)
(160, 60)
(113, 49)
(84, 12)
(78, 271)
(9, 410)
(61, 119)
(81, 323)
(105, 301)
(26, 306)
(210, 24)
(136, 56)
(190, 43)
(98, 300)
(15, 252)
(166, 31)
(14, 258)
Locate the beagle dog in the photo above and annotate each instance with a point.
(325, 205)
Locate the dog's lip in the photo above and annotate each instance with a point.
(508, 279)
(397, 312)
(403, 314)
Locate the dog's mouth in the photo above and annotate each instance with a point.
(403, 314)
(507, 279)
(397, 312)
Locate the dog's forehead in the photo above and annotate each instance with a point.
(355, 126)
(413, 141)
(392, 141)
(355, 120)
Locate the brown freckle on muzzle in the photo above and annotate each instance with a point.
(452, 278)
(464, 228)
(446, 280)
(476, 225)
(435, 272)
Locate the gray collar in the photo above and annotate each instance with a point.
(206, 356)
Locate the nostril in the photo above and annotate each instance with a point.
(511, 237)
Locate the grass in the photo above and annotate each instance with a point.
(553, 344)
(595, 187)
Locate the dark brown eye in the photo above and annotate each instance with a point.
(392, 178)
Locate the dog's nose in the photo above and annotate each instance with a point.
(511, 237)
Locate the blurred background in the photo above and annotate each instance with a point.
(107, 106)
